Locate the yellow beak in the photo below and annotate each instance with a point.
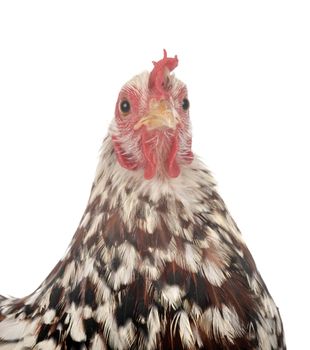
(160, 115)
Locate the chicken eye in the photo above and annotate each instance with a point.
(125, 107)
(185, 104)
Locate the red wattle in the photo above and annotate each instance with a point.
(149, 171)
(172, 165)
(121, 157)
(150, 157)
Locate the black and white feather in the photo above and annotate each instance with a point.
(154, 264)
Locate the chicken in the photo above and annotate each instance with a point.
(157, 262)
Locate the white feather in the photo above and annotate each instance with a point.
(46, 345)
(213, 273)
(192, 257)
(77, 330)
(171, 295)
(14, 329)
(223, 323)
(97, 343)
(263, 338)
(97, 219)
(149, 270)
(49, 316)
(185, 330)
(68, 274)
(85, 220)
(153, 326)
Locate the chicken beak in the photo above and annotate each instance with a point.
(161, 114)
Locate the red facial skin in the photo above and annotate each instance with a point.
(159, 148)
(126, 125)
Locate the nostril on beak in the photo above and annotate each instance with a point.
(161, 114)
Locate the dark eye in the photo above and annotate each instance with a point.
(125, 107)
(185, 104)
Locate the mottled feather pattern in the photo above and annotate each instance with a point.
(156, 264)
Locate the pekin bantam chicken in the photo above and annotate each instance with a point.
(156, 262)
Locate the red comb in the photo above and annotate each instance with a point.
(159, 77)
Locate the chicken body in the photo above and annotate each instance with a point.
(157, 262)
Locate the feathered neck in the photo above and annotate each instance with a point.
(123, 201)
(111, 176)
(147, 254)
(130, 225)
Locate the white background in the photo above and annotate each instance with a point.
(246, 64)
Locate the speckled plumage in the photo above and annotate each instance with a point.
(154, 264)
